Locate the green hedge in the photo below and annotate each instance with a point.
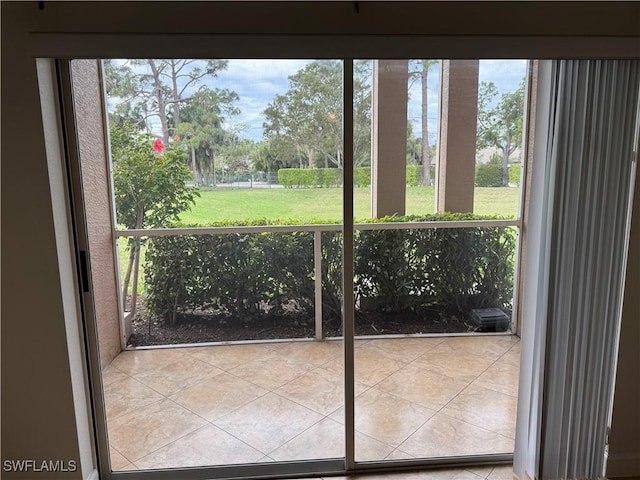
(362, 176)
(310, 177)
(415, 176)
(488, 175)
(395, 270)
(332, 177)
(514, 173)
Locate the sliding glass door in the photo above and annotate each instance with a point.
(300, 266)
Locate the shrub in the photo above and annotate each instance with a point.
(488, 175)
(514, 173)
(328, 177)
(455, 268)
(310, 177)
(296, 177)
(332, 177)
(246, 274)
(414, 175)
(362, 176)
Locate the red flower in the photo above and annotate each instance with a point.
(158, 146)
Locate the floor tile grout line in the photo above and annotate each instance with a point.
(120, 453)
(298, 435)
(468, 384)
(480, 427)
(314, 367)
(134, 410)
(465, 421)
(170, 443)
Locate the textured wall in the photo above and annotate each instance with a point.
(97, 199)
(624, 440)
(457, 135)
(38, 415)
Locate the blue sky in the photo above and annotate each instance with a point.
(257, 82)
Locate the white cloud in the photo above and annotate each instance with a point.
(257, 82)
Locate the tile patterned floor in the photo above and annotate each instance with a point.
(415, 397)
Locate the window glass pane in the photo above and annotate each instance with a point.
(432, 378)
(248, 155)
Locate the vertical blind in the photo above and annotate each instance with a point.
(591, 153)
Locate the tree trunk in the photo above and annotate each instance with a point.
(127, 277)
(176, 96)
(426, 150)
(194, 168)
(136, 265)
(505, 167)
(136, 273)
(312, 160)
(162, 104)
(213, 168)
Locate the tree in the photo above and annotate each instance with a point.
(150, 189)
(172, 91)
(201, 129)
(423, 73)
(307, 119)
(500, 126)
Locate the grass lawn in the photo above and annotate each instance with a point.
(326, 203)
(303, 204)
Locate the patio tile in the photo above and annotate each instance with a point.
(268, 422)
(512, 356)
(485, 408)
(314, 353)
(404, 350)
(417, 384)
(271, 374)
(227, 357)
(217, 396)
(177, 375)
(320, 390)
(112, 375)
(135, 362)
(398, 454)
(145, 430)
(371, 367)
(502, 473)
(401, 383)
(482, 471)
(388, 418)
(444, 436)
(501, 376)
(437, 474)
(325, 439)
(206, 446)
(461, 364)
(118, 461)
(492, 346)
(266, 459)
(126, 396)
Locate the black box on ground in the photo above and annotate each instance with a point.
(490, 319)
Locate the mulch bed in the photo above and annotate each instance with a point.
(200, 327)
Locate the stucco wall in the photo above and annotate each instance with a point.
(97, 199)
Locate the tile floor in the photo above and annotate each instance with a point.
(487, 473)
(230, 404)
